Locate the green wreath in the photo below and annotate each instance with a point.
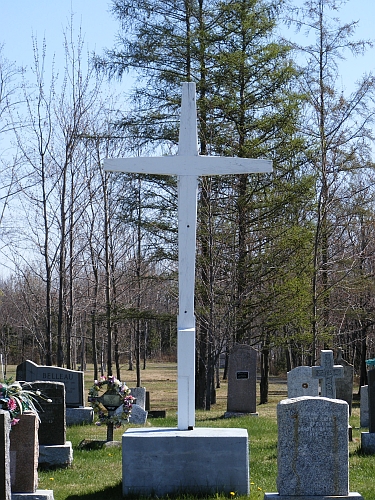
(120, 389)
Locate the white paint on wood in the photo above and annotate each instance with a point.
(187, 165)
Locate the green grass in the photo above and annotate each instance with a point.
(96, 474)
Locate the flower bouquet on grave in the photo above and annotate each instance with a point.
(115, 405)
(16, 399)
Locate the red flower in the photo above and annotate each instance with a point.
(12, 405)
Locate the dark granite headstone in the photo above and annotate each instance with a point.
(24, 451)
(28, 371)
(242, 380)
(371, 400)
(5, 489)
(52, 427)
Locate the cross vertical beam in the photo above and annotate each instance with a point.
(187, 229)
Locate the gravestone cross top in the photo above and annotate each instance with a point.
(328, 372)
(187, 165)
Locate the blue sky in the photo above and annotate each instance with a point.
(22, 19)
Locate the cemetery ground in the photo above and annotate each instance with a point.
(96, 472)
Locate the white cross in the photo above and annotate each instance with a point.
(187, 165)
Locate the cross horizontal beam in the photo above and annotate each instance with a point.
(188, 165)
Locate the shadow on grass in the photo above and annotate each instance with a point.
(110, 493)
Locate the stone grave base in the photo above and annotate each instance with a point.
(276, 496)
(368, 442)
(232, 414)
(58, 455)
(79, 416)
(38, 495)
(161, 461)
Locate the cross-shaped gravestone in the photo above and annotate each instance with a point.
(327, 373)
(187, 165)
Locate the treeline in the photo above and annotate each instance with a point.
(285, 261)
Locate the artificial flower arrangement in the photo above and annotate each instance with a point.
(16, 399)
(121, 415)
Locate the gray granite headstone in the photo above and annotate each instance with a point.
(327, 373)
(5, 489)
(139, 393)
(29, 371)
(344, 386)
(24, 451)
(301, 383)
(138, 415)
(364, 406)
(242, 367)
(313, 447)
(52, 426)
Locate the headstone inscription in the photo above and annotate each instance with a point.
(5, 488)
(327, 373)
(28, 371)
(242, 368)
(301, 382)
(313, 460)
(364, 406)
(24, 451)
(187, 165)
(344, 385)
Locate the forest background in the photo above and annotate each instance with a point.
(285, 261)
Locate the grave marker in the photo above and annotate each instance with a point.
(28, 371)
(313, 459)
(301, 382)
(327, 373)
(187, 165)
(242, 374)
(24, 451)
(364, 406)
(368, 438)
(5, 488)
(344, 386)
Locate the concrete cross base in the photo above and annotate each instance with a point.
(368, 442)
(58, 455)
(38, 495)
(79, 416)
(276, 496)
(163, 461)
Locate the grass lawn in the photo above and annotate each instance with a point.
(96, 474)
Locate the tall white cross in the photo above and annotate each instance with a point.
(187, 165)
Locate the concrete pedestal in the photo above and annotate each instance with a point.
(38, 495)
(163, 461)
(58, 455)
(368, 442)
(276, 496)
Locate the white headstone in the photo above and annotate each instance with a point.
(187, 165)
(301, 382)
